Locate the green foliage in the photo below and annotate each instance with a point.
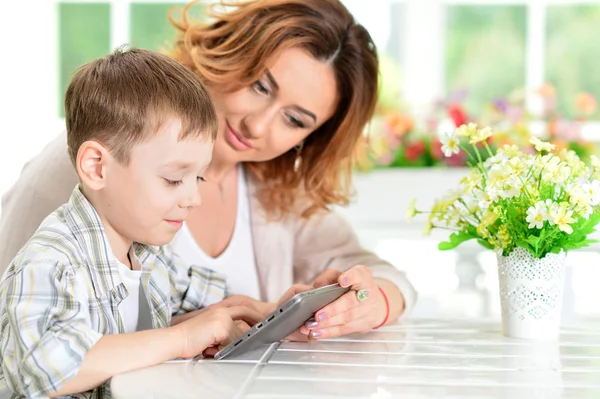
(545, 203)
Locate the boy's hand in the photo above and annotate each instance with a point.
(215, 327)
(264, 308)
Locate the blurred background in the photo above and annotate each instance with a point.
(525, 67)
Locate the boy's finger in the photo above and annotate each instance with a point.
(210, 352)
(250, 316)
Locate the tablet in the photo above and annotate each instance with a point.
(286, 319)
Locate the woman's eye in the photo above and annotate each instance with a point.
(260, 88)
(173, 183)
(295, 122)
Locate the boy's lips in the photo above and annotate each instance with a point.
(176, 223)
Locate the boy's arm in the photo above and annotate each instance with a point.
(193, 287)
(119, 353)
(50, 348)
(45, 329)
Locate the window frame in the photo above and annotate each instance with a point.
(422, 44)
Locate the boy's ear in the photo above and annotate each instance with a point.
(91, 162)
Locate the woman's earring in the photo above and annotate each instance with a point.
(298, 160)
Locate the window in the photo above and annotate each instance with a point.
(572, 53)
(90, 30)
(485, 47)
(150, 27)
(84, 34)
(485, 52)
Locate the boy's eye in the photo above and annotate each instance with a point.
(173, 183)
(201, 178)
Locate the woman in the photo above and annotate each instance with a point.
(294, 83)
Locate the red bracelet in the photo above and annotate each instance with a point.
(387, 308)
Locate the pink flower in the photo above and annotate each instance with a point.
(458, 114)
(459, 159)
(586, 103)
(414, 151)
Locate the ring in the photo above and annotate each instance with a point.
(362, 295)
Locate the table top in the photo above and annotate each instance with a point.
(414, 359)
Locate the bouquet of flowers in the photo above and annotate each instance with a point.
(530, 208)
(545, 202)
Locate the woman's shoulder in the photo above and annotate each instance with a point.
(45, 183)
(49, 177)
(53, 155)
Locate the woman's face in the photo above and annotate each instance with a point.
(296, 95)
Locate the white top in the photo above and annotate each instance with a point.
(130, 306)
(237, 260)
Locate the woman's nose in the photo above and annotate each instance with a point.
(258, 124)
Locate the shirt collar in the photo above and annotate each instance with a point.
(87, 229)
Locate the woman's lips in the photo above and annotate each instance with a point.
(236, 140)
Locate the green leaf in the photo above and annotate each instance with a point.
(455, 240)
(485, 244)
(525, 245)
(533, 241)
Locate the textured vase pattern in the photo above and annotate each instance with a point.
(531, 294)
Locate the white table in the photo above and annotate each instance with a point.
(417, 359)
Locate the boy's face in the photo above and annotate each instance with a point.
(148, 200)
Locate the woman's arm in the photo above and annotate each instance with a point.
(327, 241)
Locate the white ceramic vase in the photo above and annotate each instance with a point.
(531, 294)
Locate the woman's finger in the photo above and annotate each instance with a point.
(339, 330)
(293, 290)
(359, 277)
(329, 276)
(350, 315)
(347, 301)
(297, 336)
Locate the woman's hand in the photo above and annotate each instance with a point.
(298, 335)
(347, 314)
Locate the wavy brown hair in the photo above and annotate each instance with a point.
(231, 52)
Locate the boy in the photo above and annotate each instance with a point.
(92, 292)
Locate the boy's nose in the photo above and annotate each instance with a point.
(192, 200)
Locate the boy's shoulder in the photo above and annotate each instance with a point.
(54, 242)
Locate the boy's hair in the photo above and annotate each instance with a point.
(119, 100)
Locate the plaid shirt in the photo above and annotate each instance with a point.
(61, 294)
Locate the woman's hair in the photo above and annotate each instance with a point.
(231, 52)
